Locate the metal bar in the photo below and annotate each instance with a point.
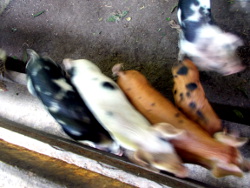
(107, 158)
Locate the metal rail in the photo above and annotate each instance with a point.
(97, 155)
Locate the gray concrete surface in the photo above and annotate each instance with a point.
(27, 110)
(11, 176)
(79, 29)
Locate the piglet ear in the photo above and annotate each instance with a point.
(167, 131)
(32, 55)
(67, 63)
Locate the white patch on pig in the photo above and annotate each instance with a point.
(30, 87)
(87, 143)
(62, 122)
(60, 95)
(179, 15)
(75, 133)
(54, 107)
(63, 84)
(47, 93)
(47, 67)
(37, 88)
(196, 15)
(36, 70)
(205, 4)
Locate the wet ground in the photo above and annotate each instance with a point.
(136, 33)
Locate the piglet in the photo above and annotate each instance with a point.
(149, 147)
(48, 81)
(205, 43)
(196, 145)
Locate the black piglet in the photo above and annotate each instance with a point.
(48, 81)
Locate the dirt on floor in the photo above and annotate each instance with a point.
(135, 33)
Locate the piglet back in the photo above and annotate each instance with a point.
(49, 83)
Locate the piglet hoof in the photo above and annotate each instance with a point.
(225, 169)
(168, 131)
(230, 139)
(3, 87)
(117, 69)
(245, 165)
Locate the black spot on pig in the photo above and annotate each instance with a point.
(153, 104)
(180, 121)
(183, 70)
(185, 7)
(192, 105)
(188, 94)
(175, 92)
(191, 86)
(200, 114)
(190, 29)
(177, 114)
(108, 85)
(181, 96)
(206, 15)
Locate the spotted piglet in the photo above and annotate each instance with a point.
(47, 81)
(205, 43)
(149, 147)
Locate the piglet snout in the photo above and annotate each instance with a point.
(234, 69)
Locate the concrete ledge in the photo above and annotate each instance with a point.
(26, 168)
(88, 158)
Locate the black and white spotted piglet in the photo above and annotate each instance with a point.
(47, 81)
(205, 43)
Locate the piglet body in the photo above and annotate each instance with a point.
(47, 81)
(127, 126)
(205, 43)
(196, 146)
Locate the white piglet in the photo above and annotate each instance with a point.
(127, 126)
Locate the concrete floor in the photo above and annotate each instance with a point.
(141, 40)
